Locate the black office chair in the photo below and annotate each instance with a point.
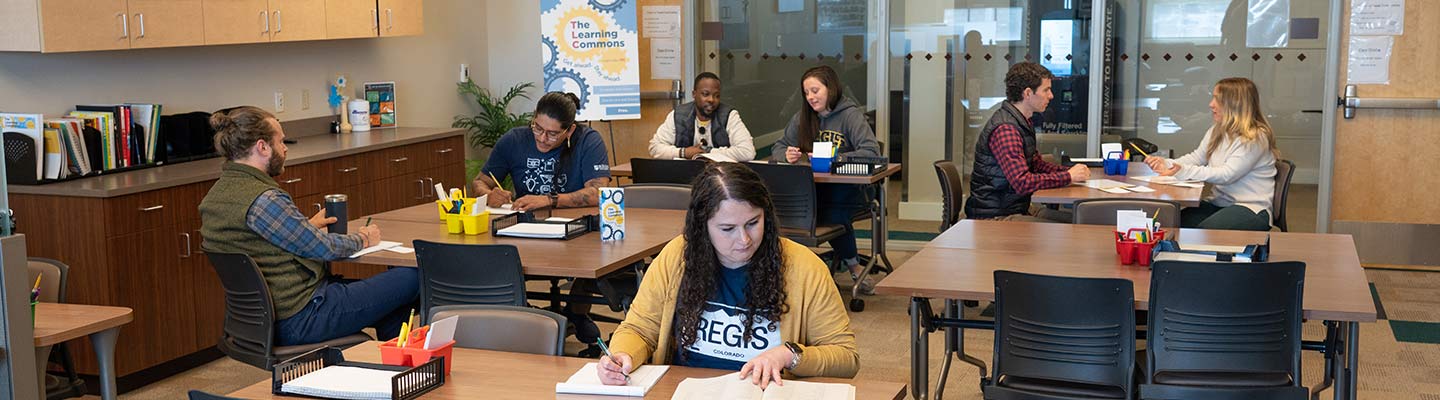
(249, 334)
(1062, 338)
(199, 395)
(792, 188)
(650, 170)
(469, 274)
(665, 196)
(505, 328)
(952, 193)
(1224, 331)
(1284, 171)
(1102, 211)
(67, 384)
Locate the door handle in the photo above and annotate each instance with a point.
(296, 180)
(401, 159)
(444, 150)
(188, 253)
(390, 17)
(374, 20)
(124, 25)
(152, 208)
(429, 182)
(349, 170)
(141, 17)
(279, 23)
(1353, 101)
(317, 207)
(421, 183)
(266, 17)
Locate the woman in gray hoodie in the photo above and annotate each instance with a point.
(829, 116)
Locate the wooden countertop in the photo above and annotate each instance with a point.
(503, 375)
(1188, 197)
(310, 148)
(60, 322)
(960, 263)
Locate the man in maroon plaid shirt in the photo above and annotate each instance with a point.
(1008, 168)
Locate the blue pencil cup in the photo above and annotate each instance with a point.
(1116, 166)
(821, 165)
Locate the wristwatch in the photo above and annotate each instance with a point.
(554, 200)
(795, 350)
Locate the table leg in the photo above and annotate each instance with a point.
(104, 342)
(1332, 331)
(42, 361)
(1352, 360)
(879, 234)
(919, 349)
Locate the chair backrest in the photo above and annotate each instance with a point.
(199, 395)
(1102, 211)
(1224, 317)
(506, 328)
(52, 286)
(1072, 331)
(469, 274)
(952, 193)
(249, 333)
(668, 196)
(651, 170)
(1284, 171)
(792, 189)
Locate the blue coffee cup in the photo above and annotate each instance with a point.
(820, 164)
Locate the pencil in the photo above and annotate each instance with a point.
(492, 177)
(1137, 148)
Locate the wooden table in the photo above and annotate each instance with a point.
(960, 264)
(503, 375)
(1188, 197)
(646, 232)
(878, 209)
(58, 323)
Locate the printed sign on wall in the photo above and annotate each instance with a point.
(591, 49)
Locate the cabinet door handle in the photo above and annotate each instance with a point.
(296, 180)
(444, 150)
(266, 17)
(152, 208)
(188, 253)
(374, 20)
(421, 183)
(317, 207)
(349, 170)
(279, 22)
(401, 159)
(124, 25)
(430, 183)
(390, 17)
(141, 17)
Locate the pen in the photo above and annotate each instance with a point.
(367, 221)
(601, 342)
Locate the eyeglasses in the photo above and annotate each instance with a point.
(534, 127)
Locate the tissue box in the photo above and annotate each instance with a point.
(612, 214)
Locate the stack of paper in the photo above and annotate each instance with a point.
(587, 381)
(1125, 220)
(339, 382)
(383, 245)
(732, 387)
(534, 231)
(1106, 184)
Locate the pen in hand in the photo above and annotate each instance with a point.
(601, 342)
(367, 221)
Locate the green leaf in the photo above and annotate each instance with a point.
(493, 117)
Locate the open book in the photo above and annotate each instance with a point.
(587, 381)
(732, 387)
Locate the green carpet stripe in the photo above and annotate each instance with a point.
(900, 235)
(1416, 332)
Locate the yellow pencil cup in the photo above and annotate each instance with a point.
(465, 205)
(476, 224)
(452, 223)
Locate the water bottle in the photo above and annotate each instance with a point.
(335, 207)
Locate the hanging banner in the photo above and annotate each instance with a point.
(591, 49)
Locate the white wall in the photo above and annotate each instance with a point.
(513, 29)
(425, 69)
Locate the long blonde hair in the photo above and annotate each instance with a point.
(1240, 116)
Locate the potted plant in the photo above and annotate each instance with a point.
(492, 120)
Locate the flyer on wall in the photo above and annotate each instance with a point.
(591, 48)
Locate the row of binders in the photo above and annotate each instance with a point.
(90, 139)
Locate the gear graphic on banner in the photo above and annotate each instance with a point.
(550, 53)
(607, 5)
(566, 80)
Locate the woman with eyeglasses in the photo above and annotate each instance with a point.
(557, 163)
(554, 162)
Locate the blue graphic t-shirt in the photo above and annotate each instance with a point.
(718, 342)
(533, 172)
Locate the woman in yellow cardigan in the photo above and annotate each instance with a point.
(732, 294)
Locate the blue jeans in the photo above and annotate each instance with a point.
(838, 204)
(339, 308)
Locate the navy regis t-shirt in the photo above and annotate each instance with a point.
(718, 342)
(534, 172)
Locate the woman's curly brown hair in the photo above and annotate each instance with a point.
(765, 295)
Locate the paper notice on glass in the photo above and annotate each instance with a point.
(1377, 17)
(665, 58)
(660, 21)
(1369, 60)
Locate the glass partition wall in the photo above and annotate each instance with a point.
(943, 63)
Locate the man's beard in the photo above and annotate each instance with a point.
(277, 165)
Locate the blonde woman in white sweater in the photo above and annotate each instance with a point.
(1236, 158)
